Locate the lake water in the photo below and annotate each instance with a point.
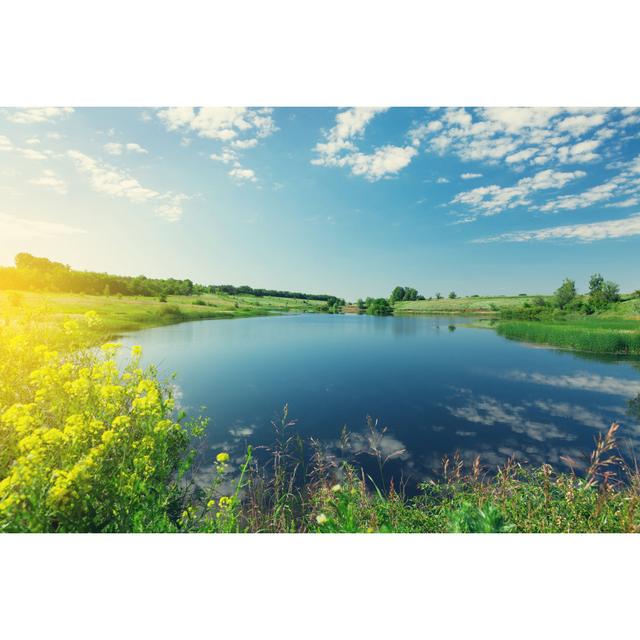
(437, 385)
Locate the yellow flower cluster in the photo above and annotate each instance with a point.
(84, 445)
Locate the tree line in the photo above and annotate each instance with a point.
(601, 294)
(32, 273)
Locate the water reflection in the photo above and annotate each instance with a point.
(437, 384)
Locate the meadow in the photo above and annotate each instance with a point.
(471, 305)
(129, 313)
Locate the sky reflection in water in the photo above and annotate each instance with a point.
(437, 385)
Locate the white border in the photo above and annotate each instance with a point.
(287, 52)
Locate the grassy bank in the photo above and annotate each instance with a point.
(118, 314)
(596, 336)
(615, 330)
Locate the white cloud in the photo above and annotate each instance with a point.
(383, 161)
(442, 180)
(50, 181)
(111, 181)
(629, 202)
(626, 184)
(39, 115)
(577, 125)
(27, 153)
(219, 123)
(588, 232)
(470, 176)
(33, 141)
(243, 175)
(580, 152)
(340, 150)
(227, 156)
(134, 147)
(32, 154)
(244, 144)
(521, 156)
(13, 227)
(114, 148)
(494, 199)
(5, 143)
(517, 135)
(117, 148)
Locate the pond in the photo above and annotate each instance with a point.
(436, 384)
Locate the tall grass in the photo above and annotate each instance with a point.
(583, 336)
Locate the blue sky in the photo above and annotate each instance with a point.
(350, 201)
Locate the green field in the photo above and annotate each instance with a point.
(129, 313)
(469, 305)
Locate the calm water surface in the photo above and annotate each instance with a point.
(437, 385)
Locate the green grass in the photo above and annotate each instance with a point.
(621, 337)
(515, 499)
(469, 305)
(125, 313)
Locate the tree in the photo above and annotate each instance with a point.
(410, 293)
(595, 284)
(602, 292)
(379, 307)
(438, 296)
(566, 293)
(453, 295)
(397, 294)
(361, 305)
(610, 292)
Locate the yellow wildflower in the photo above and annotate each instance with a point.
(222, 457)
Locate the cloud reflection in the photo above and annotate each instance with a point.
(582, 381)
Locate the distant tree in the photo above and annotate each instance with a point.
(539, 301)
(379, 307)
(410, 293)
(566, 293)
(397, 294)
(596, 281)
(361, 305)
(602, 292)
(420, 297)
(452, 295)
(610, 291)
(438, 296)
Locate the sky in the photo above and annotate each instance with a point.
(346, 201)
